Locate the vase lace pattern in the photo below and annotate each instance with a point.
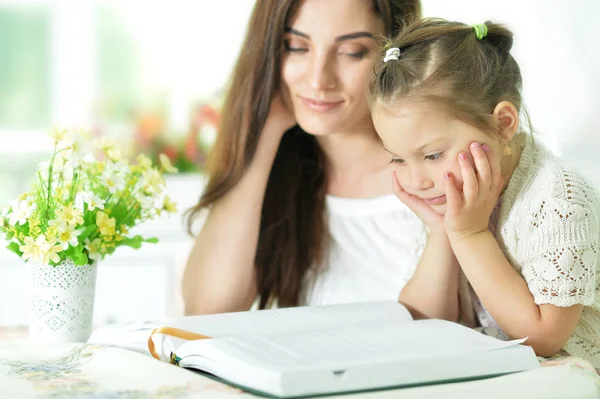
(61, 300)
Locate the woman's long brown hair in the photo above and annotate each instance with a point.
(293, 233)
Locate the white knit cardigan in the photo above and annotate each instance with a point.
(549, 229)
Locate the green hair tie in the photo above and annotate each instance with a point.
(481, 31)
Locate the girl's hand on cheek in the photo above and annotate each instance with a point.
(468, 210)
(431, 218)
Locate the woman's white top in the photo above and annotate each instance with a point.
(375, 245)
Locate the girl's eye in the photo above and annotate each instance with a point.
(434, 157)
(397, 161)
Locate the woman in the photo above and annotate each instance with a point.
(301, 208)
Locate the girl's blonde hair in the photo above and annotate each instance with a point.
(445, 62)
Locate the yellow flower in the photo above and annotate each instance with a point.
(52, 230)
(106, 225)
(58, 134)
(152, 181)
(52, 253)
(144, 162)
(169, 205)
(82, 134)
(93, 201)
(35, 250)
(105, 144)
(113, 182)
(69, 215)
(34, 227)
(114, 154)
(79, 143)
(166, 165)
(62, 192)
(67, 236)
(93, 248)
(108, 243)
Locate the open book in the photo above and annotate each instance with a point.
(308, 351)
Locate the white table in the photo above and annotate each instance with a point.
(82, 370)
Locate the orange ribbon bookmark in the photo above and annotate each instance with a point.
(173, 332)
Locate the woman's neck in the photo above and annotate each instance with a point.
(356, 164)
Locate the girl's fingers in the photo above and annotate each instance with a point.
(482, 165)
(470, 184)
(496, 180)
(453, 199)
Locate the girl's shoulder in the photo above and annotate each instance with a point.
(542, 178)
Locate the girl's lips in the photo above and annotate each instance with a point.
(435, 200)
(320, 106)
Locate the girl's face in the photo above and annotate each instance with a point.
(328, 63)
(424, 143)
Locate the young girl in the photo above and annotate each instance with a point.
(524, 228)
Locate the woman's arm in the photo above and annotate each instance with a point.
(220, 272)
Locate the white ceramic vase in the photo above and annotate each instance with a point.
(60, 302)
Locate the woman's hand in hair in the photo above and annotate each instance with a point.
(279, 120)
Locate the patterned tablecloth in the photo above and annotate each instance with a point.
(84, 371)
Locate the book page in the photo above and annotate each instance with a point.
(345, 346)
(273, 321)
(132, 336)
(276, 321)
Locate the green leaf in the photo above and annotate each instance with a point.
(77, 255)
(136, 242)
(86, 233)
(80, 259)
(14, 247)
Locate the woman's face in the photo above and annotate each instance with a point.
(328, 63)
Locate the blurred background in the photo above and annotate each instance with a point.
(151, 75)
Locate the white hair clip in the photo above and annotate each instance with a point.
(392, 54)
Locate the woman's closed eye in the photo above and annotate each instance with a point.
(355, 53)
(294, 47)
(397, 161)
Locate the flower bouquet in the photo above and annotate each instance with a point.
(79, 209)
